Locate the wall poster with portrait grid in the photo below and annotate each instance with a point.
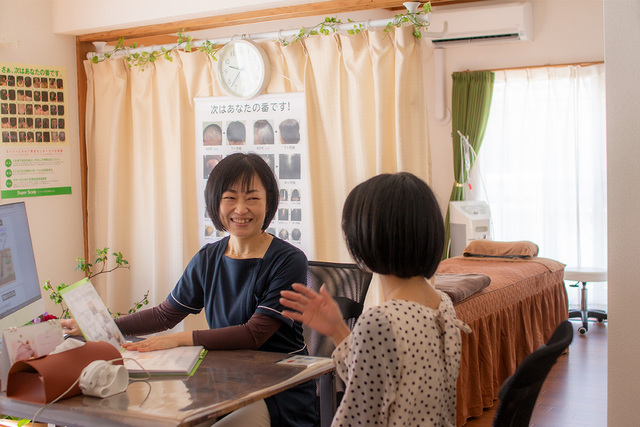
(35, 136)
(273, 126)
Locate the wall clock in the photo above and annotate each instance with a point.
(243, 69)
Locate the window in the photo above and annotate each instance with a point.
(543, 165)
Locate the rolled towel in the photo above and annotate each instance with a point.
(489, 248)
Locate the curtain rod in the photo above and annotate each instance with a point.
(581, 64)
(278, 35)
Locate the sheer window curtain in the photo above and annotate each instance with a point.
(366, 115)
(543, 164)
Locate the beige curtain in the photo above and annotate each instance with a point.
(366, 115)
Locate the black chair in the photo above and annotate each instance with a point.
(519, 392)
(348, 285)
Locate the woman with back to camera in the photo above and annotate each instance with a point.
(401, 361)
(238, 280)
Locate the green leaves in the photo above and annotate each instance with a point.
(56, 296)
(356, 28)
(330, 25)
(135, 307)
(412, 18)
(120, 261)
(102, 257)
(210, 49)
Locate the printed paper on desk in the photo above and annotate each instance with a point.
(303, 360)
(33, 340)
(27, 341)
(92, 316)
(96, 324)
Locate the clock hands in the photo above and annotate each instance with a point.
(235, 78)
(240, 69)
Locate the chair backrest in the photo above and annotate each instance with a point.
(348, 285)
(519, 392)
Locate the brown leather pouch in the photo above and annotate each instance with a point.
(44, 379)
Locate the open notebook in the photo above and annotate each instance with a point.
(96, 324)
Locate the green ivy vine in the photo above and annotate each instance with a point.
(414, 19)
(330, 25)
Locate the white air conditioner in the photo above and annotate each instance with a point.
(483, 24)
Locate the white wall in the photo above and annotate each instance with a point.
(55, 221)
(96, 15)
(622, 38)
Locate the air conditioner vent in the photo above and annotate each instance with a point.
(467, 40)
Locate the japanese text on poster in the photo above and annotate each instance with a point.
(272, 126)
(34, 139)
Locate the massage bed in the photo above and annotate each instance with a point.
(517, 312)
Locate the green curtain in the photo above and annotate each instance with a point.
(470, 105)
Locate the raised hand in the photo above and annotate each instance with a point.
(319, 311)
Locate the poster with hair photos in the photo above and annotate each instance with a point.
(272, 126)
(34, 135)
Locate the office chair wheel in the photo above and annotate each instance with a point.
(582, 330)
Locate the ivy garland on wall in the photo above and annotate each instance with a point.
(330, 25)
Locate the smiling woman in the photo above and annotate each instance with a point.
(237, 281)
(242, 198)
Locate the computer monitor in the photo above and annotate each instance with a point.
(20, 298)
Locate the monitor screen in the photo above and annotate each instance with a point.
(20, 298)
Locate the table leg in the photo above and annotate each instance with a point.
(327, 398)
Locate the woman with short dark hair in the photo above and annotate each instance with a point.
(237, 281)
(400, 363)
(240, 169)
(393, 225)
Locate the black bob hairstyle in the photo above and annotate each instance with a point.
(240, 168)
(392, 225)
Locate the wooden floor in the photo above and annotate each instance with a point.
(575, 392)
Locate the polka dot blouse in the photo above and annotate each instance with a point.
(400, 365)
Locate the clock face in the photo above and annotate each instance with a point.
(243, 69)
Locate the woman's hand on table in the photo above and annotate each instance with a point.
(161, 342)
(319, 311)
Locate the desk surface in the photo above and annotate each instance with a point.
(225, 381)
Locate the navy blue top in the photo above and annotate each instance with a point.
(232, 290)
